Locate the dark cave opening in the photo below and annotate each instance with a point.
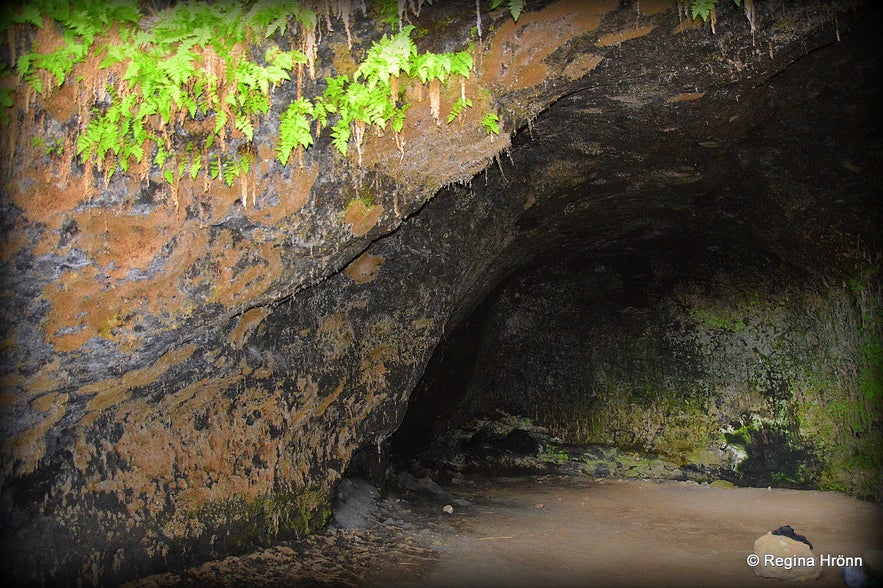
(711, 359)
(573, 347)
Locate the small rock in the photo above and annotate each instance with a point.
(448, 509)
(722, 484)
(853, 576)
(790, 559)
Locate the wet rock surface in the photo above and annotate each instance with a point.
(181, 385)
(515, 445)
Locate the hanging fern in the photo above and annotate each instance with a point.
(703, 8)
(294, 129)
(195, 61)
(491, 123)
(515, 7)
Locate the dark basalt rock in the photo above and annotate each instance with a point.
(675, 231)
(516, 442)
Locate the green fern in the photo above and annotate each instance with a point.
(163, 76)
(390, 56)
(215, 167)
(366, 98)
(702, 8)
(340, 135)
(294, 129)
(491, 123)
(195, 165)
(515, 7)
(231, 172)
(458, 107)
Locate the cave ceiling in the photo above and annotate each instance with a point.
(769, 168)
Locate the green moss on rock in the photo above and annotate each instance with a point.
(285, 515)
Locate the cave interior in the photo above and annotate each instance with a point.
(668, 266)
(675, 282)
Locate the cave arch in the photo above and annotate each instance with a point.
(689, 309)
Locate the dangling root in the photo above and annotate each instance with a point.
(434, 98)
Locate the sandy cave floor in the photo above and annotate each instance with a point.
(551, 531)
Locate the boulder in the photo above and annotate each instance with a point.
(520, 442)
(784, 558)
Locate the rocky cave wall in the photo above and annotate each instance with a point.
(183, 384)
(749, 374)
(726, 318)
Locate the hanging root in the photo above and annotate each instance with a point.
(478, 18)
(434, 98)
(748, 8)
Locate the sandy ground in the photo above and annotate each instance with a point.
(536, 532)
(556, 531)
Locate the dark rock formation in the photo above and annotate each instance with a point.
(683, 220)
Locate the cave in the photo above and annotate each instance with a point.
(620, 303)
(669, 247)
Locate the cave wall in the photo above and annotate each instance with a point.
(180, 383)
(721, 308)
(761, 378)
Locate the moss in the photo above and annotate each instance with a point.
(554, 454)
(741, 436)
(612, 462)
(726, 323)
(776, 456)
(722, 484)
(800, 373)
(839, 401)
(243, 524)
(703, 457)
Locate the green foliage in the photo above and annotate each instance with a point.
(458, 107)
(196, 62)
(552, 453)
(429, 66)
(702, 8)
(367, 98)
(169, 73)
(294, 128)
(389, 12)
(515, 7)
(491, 123)
(82, 21)
(390, 56)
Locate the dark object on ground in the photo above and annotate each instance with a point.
(787, 531)
(520, 442)
(517, 442)
(853, 576)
